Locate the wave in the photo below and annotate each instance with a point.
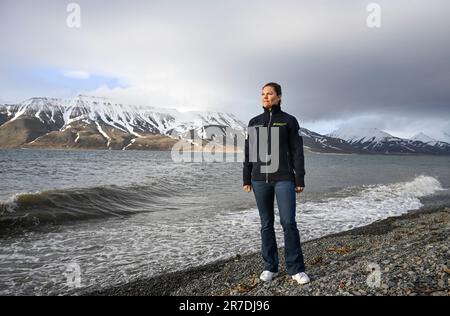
(26, 210)
(369, 203)
(348, 208)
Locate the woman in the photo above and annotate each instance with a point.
(276, 171)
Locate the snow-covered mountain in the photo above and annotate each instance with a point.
(129, 118)
(421, 137)
(361, 135)
(320, 143)
(72, 121)
(377, 141)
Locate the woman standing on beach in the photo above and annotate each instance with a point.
(281, 176)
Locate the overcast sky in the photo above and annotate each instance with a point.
(217, 54)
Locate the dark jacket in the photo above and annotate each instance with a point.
(291, 157)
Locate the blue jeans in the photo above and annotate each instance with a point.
(285, 194)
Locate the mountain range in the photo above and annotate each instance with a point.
(87, 122)
(373, 140)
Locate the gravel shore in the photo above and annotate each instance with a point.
(405, 255)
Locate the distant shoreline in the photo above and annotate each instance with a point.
(235, 152)
(411, 252)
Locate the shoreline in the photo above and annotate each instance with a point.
(73, 149)
(401, 255)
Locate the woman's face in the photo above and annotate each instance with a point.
(269, 97)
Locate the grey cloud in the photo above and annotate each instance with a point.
(331, 66)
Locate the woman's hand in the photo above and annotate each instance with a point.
(247, 188)
(299, 189)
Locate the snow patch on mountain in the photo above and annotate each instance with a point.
(101, 131)
(361, 135)
(421, 137)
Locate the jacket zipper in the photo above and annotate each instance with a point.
(267, 149)
(289, 164)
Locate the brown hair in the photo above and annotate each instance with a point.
(276, 87)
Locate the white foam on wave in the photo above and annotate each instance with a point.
(377, 200)
(9, 205)
(360, 206)
(370, 203)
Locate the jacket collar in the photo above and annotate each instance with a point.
(275, 109)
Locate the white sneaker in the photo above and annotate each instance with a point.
(301, 278)
(268, 276)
